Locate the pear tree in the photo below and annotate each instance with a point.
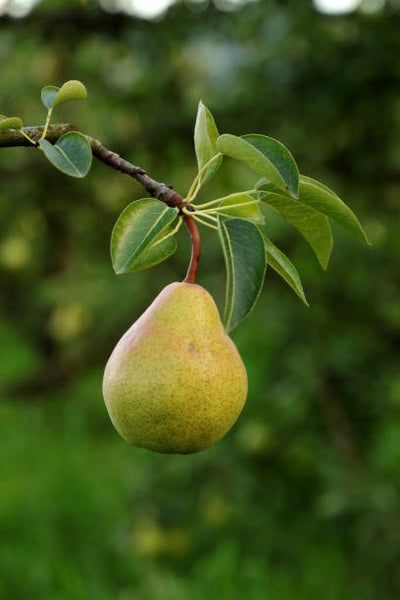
(175, 382)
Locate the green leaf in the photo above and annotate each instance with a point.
(319, 197)
(312, 225)
(284, 267)
(209, 170)
(205, 137)
(280, 156)
(48, 95)
(53, 96)
(242, 150)
(155, 253)
(318, 184)
(229, 207)
(10, 123)
(137, 239)
(245, 259)
(71, 90)
(71, 154)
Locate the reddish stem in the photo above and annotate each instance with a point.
(196, 250)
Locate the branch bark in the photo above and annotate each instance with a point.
(13, 138)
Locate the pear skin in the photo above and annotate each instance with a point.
(175, 382)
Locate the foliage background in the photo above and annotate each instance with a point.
(301, 499)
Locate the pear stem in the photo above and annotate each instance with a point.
(196, 250)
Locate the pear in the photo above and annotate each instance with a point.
(175, 382)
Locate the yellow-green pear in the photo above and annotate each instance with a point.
(175, 382)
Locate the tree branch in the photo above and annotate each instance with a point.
(10, 138)
(162, 191)
(14, 138)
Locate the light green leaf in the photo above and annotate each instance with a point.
(321, 198)
(242, 150)
(280, 156)
(284, 267)
(210, 168)
(205, 137)
(245, 259)
(71, 90)
(240, 205)
(318, 184)
(312, 225)
(48, 95)
(137, 239)
(10, 123)
(53, 96)
(71, 154)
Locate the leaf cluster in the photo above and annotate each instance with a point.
(143, 234)
(71, 153)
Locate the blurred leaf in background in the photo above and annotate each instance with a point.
(301, 500)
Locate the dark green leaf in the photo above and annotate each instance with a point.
(284, 267)
(312, 225)
(280, 156)
(321, 198)
(245, 259)
(10, 123)
(71, 154)
(137, 240)
(242, 150)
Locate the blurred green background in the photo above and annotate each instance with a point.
(301, 499)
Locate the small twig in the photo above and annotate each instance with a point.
(13, 138)
(161, 191)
